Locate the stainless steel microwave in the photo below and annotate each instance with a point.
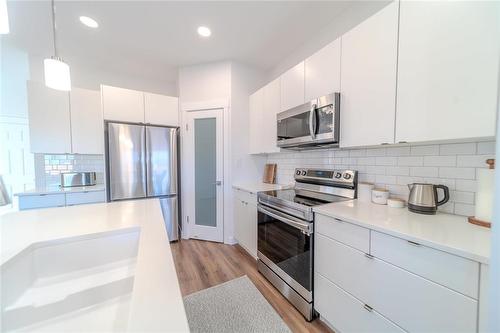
(311, 125)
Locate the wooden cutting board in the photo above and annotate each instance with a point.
(270, 174)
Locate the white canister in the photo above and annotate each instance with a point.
(365, 191)
(395, 203)
(380, 196)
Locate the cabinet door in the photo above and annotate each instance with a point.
(49, 119)
(272, 102)
(41, 201)
(368, 88)
(161, 110)
(448, 70)
(251, 221)
(87, 131)
(292, 87)
(122, 104)
(322, 71)
(256, 110)
(80, 198)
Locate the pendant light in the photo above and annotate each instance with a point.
(55, 69)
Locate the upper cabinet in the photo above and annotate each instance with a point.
(272, 104)
(161, 110)
(322, 71)
(255, 115)
(264, 106)
(448, 70)
(87, 133)
(121, 104)
(49, 119)
(368, 70)
(292, 87)
(134, 106)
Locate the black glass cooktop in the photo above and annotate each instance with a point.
(292, 196)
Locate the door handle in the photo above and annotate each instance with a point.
(218, 183)
(312, 121)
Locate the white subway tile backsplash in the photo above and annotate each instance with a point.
(425, 150)
(440, 160)
(475, 161)
(458, 149)
(486, 147)
(387, 161)
(458, 173)
(411, 161)
(424, 171)
(398, 151)
(466, 185)
(454, 165)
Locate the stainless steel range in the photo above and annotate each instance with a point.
(286, 227)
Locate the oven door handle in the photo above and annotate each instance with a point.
(306, 228)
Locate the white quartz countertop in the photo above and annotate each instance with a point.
(58, 189)
(254, 187)
(156, 302)
(446, 232)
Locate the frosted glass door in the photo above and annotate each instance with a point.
(205, 171)
(204, 184)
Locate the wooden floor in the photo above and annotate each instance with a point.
(201, 265)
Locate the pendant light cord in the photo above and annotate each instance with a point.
(54, 26)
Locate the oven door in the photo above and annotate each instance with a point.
(285, 245)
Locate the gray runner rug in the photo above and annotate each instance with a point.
(233, 306)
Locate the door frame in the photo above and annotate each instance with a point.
(186, 197)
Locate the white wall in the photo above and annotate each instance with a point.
(352, 16)
(233, 83)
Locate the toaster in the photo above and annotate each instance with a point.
(69, 179)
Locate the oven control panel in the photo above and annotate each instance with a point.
(324, 176)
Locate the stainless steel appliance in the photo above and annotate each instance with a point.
(311, 125)
(286, 228)
(142, 162)
(423, 198)
(69, 179)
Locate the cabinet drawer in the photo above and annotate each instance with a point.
(412, 302)
(41, 201)
(452, 271)
(346, 313)
(347, 233)
(80, 198)
(245, 196)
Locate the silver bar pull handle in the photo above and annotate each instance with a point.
(369, 256)
(413, 243)
(368, 308)
(312, 121)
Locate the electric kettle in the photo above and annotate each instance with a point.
(423, 198)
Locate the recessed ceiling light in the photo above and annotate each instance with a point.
(204, 31)
(89, 22)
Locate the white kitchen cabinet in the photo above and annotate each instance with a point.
(322, 71)
(42, 201)
(292, 87)
(271, 107)
(368, 88)
(85, 197)
(245, 220)
(49, 119)
(87, 133)
(412, 302)
(447, 70)
(484, 289)
(161, 110)
(346, 312)
(121, 104)
(256, 111)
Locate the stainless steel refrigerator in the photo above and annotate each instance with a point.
(141, 162)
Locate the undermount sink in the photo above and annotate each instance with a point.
(77, 284)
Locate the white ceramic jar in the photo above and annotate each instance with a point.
(365, 191)
(380, 196)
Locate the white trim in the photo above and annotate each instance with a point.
(205, 105)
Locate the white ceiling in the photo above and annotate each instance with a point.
(152, 39)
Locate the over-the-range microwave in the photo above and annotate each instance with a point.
(311, 125)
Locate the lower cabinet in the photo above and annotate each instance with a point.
(345, 313)
(360, 291)
(60, 199)
(245, 220)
